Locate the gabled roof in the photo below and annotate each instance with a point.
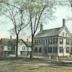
(48, 32)
(51, 32)
(28, 44)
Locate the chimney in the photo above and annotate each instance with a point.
(41, 27)
(63, 22)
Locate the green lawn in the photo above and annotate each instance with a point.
(31, 66)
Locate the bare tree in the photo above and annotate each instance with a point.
(17, 17)
(35, 10)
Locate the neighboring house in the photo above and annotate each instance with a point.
(8, 46)
(24, 48)
(56, 42)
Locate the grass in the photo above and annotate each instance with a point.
(35, 65)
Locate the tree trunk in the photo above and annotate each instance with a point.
(17, 45)
(32, 45)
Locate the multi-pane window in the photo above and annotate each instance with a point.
(9, 48)
(67, 49)
(40, 49)
(23, 48)
(71, 42)
(54, 49)
(49, 49)
(46, 41)
(55, 40)
(61, 49)
(35, 49)
(45, 50)
(67, 41)
(35, 42)
(43, 41)
(50, 41)
(61, 40)
(71, 50)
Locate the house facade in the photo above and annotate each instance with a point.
(24, 48)
(56, 42)
(8, 49)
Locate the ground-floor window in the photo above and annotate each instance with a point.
(11, 52)
(40, 49)
(6, 53)
(23, 53)
(54, 49)
(71, 51)
(45, 50)
(35, 49)
(61, 49)
(1, 54)
(49, 49)
(67, 49)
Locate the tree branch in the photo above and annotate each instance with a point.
(31, 23)
(39, 18)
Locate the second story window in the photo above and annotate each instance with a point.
(50, 41)
(43, 41)
(55, 40)
(61, 40)
(71, 42)
(67, 41)
(36, 42)
(9, 48)
(46, 41)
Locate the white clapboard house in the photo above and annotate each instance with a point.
(56, 42)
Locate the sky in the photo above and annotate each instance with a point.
(60, 12)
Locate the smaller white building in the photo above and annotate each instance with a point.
(24, 48)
